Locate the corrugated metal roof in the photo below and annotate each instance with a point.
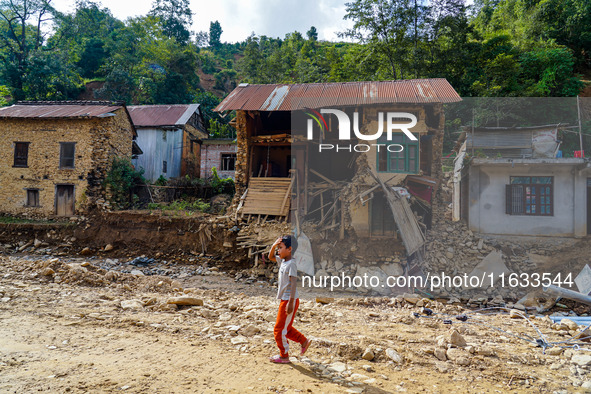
(161, 115)
(56, 109)
(321, 95)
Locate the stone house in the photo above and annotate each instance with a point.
(55, 155)
(290, 138)
(218, 153)
(509, 181)
(170, 137)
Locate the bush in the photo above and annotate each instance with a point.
(182, 205)
(120, 181)
(220, 185)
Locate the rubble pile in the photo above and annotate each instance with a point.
(374, 334)
(454, 249)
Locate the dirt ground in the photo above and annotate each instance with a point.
(70, 326)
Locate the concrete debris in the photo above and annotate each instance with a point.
(583, 280)
(566, 293)
(493, 265)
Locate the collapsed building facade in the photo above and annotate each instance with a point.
(357, 200)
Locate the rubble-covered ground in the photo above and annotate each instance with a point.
(91, 325)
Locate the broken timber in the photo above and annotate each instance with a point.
(407, 223)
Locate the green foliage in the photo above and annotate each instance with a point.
(218, 127)
(312, 34)
(495, 48)
(196, 205)
(120, 181)
(225, 79)
(161, 181)
(219, 185)
(176, 18)
(215, 33)
(4, 94)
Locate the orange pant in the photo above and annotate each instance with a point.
(284, 330)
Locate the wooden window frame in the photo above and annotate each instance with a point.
(406, 143)
(63, 158)
(518, 200)
(225, 158)
(21, 161)
(30, 192)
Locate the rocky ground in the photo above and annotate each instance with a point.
(100, 325)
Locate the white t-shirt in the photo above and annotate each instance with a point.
(288, 268)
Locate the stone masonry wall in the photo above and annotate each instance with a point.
(97, 142)
(111, 137)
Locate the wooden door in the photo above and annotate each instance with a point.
(64, 200)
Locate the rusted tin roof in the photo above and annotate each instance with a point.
(60, 109)
(161, 115)
(320, 95)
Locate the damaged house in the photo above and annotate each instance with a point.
(55, 155)
(360, 193)
(514, 181)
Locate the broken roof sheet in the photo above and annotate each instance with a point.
(59, 109)
(161, 115)
(320, 95)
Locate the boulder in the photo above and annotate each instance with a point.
(190, 301)
(86, 251)
(368, 355)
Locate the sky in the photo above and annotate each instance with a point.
(240, 18)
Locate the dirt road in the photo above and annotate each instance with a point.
(67, 331)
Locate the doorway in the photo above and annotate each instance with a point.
(64, 200)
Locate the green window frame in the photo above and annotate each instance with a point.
(403, 162)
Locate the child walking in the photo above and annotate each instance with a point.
(287, 293)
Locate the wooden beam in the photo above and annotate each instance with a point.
(322, 176)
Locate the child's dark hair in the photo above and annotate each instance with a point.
(288, 241)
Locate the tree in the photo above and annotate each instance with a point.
(176, 18)
(215, 33)
(21, 36)
(384, 26)
(201, 39)
(312, 34)
(86, 36)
